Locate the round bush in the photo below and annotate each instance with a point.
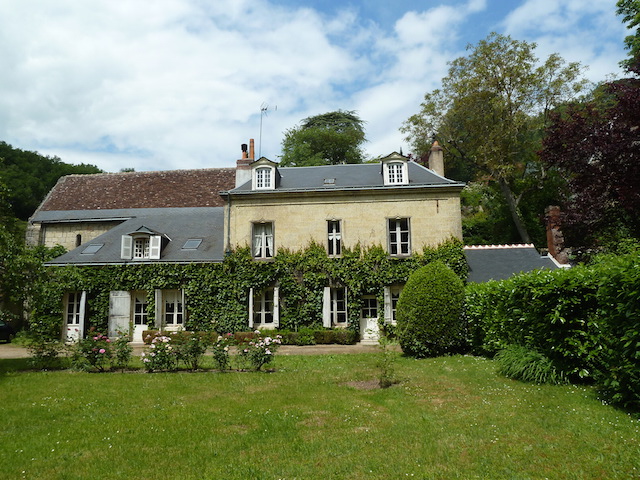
(429, 312)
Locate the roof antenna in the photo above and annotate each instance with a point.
(263, 113)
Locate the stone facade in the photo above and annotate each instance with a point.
(69, 235)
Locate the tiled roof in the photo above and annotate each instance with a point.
(162, 189)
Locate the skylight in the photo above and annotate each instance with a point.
(192, 244)
(92, 248)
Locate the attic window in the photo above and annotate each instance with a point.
(264, 178)
(92, 248)
(329, 181)
(192, 244)
(139, 246)
(395, 173)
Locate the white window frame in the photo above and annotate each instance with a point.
(263, 306)
(141, 247)
(74, 308)
(263, 240)
(396, 173)
(369, 307)
(334, 238)
(335, 307)
(399, 245)
(263, 178)
(391, 296)
(174, 318)
(139, 305)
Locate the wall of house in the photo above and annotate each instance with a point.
(434, 216)
(65, 234)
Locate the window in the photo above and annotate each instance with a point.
(74, 302)
(263, 308)
(391, 296)
(141, 247)
(339, 306)
(192, 244)
(399, 239)
(78, 240)
(334, 238)
(263, 240)
(140, 315)
(369, 307)
(92, 248)
(173, 308)
(263, 178)
(395, 172)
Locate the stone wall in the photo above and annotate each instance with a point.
(66, 234)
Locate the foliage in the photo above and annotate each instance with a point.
(45, 352)
(260, 351)
(327, 139)
(160, 355)
(630, 11)
(122, 350)
(584, 320)
(429, 321)
(220, 352)
(490, 112)
(217, 294)
(30, 176)
(191, 349)
(522, 363)
(594, 145)
(387, 363)
(92, 353)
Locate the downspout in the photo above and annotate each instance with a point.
(228, 222)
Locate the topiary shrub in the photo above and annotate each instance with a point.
(429, 320)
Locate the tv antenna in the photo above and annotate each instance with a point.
(263, 113)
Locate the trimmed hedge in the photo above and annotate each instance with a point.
(586, 320)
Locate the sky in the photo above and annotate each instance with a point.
(180, 84)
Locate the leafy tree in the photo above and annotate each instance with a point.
(429, 312)
(29, 177)
(490, 113)
(327, 139)
(630, 11)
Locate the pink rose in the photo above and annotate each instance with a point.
(102, 350)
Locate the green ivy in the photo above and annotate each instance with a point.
(216, 294)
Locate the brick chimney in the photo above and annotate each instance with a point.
(243, 165)
(555, 238)
(436, 159)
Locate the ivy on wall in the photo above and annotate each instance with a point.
(216, 294)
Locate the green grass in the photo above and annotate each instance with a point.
(448, 418)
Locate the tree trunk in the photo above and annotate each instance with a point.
(513, 209)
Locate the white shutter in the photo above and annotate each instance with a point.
(119, 312)
(251, 308)
(155, 245)
(126, 247)
(159, 309)
(81, 313)
(276, 306)
(387, 305)
(326, 307)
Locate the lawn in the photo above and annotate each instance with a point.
(449, 417)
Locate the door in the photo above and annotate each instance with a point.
(74, 316)
(119, 308)
(369, 328)
(140, 315)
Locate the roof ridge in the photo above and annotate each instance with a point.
(512, 245)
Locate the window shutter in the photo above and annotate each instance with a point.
(276, 306)
(326, 307)
(251, 308)
(126, 247)
(81, 313)
(387, 305)
(158, 309)
(155, 245)
(119, 312)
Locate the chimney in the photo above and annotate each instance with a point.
(243, 165)
(252, 150)
(436, 159)
(555, 238)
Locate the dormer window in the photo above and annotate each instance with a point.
(264, 177)
(394, 170)
(264, 174)
(143, 244)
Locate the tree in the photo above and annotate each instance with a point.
(429, 312)
(327, 139)
(490, 112)
(630, 11)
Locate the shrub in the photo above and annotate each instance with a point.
(260, 351)
(429, 320)
(190, 347)
(92, 353)
(522, 363)
(45, 352)
(122, 350)
(220, 351)
(160, 356)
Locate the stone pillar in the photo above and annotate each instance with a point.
(436, 159)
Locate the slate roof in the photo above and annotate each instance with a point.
(499, 262)
(177, 224)
(347, 177)
(162, 189)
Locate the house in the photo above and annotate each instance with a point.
(499, 262)
(189, 217)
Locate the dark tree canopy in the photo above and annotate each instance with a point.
(328, 139)
(596, 146)
(29, 176)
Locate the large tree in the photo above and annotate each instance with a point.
(490, 112)
(630, 11)
(327, 139)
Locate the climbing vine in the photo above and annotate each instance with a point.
(217, 294)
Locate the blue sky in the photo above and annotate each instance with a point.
(181, 84)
